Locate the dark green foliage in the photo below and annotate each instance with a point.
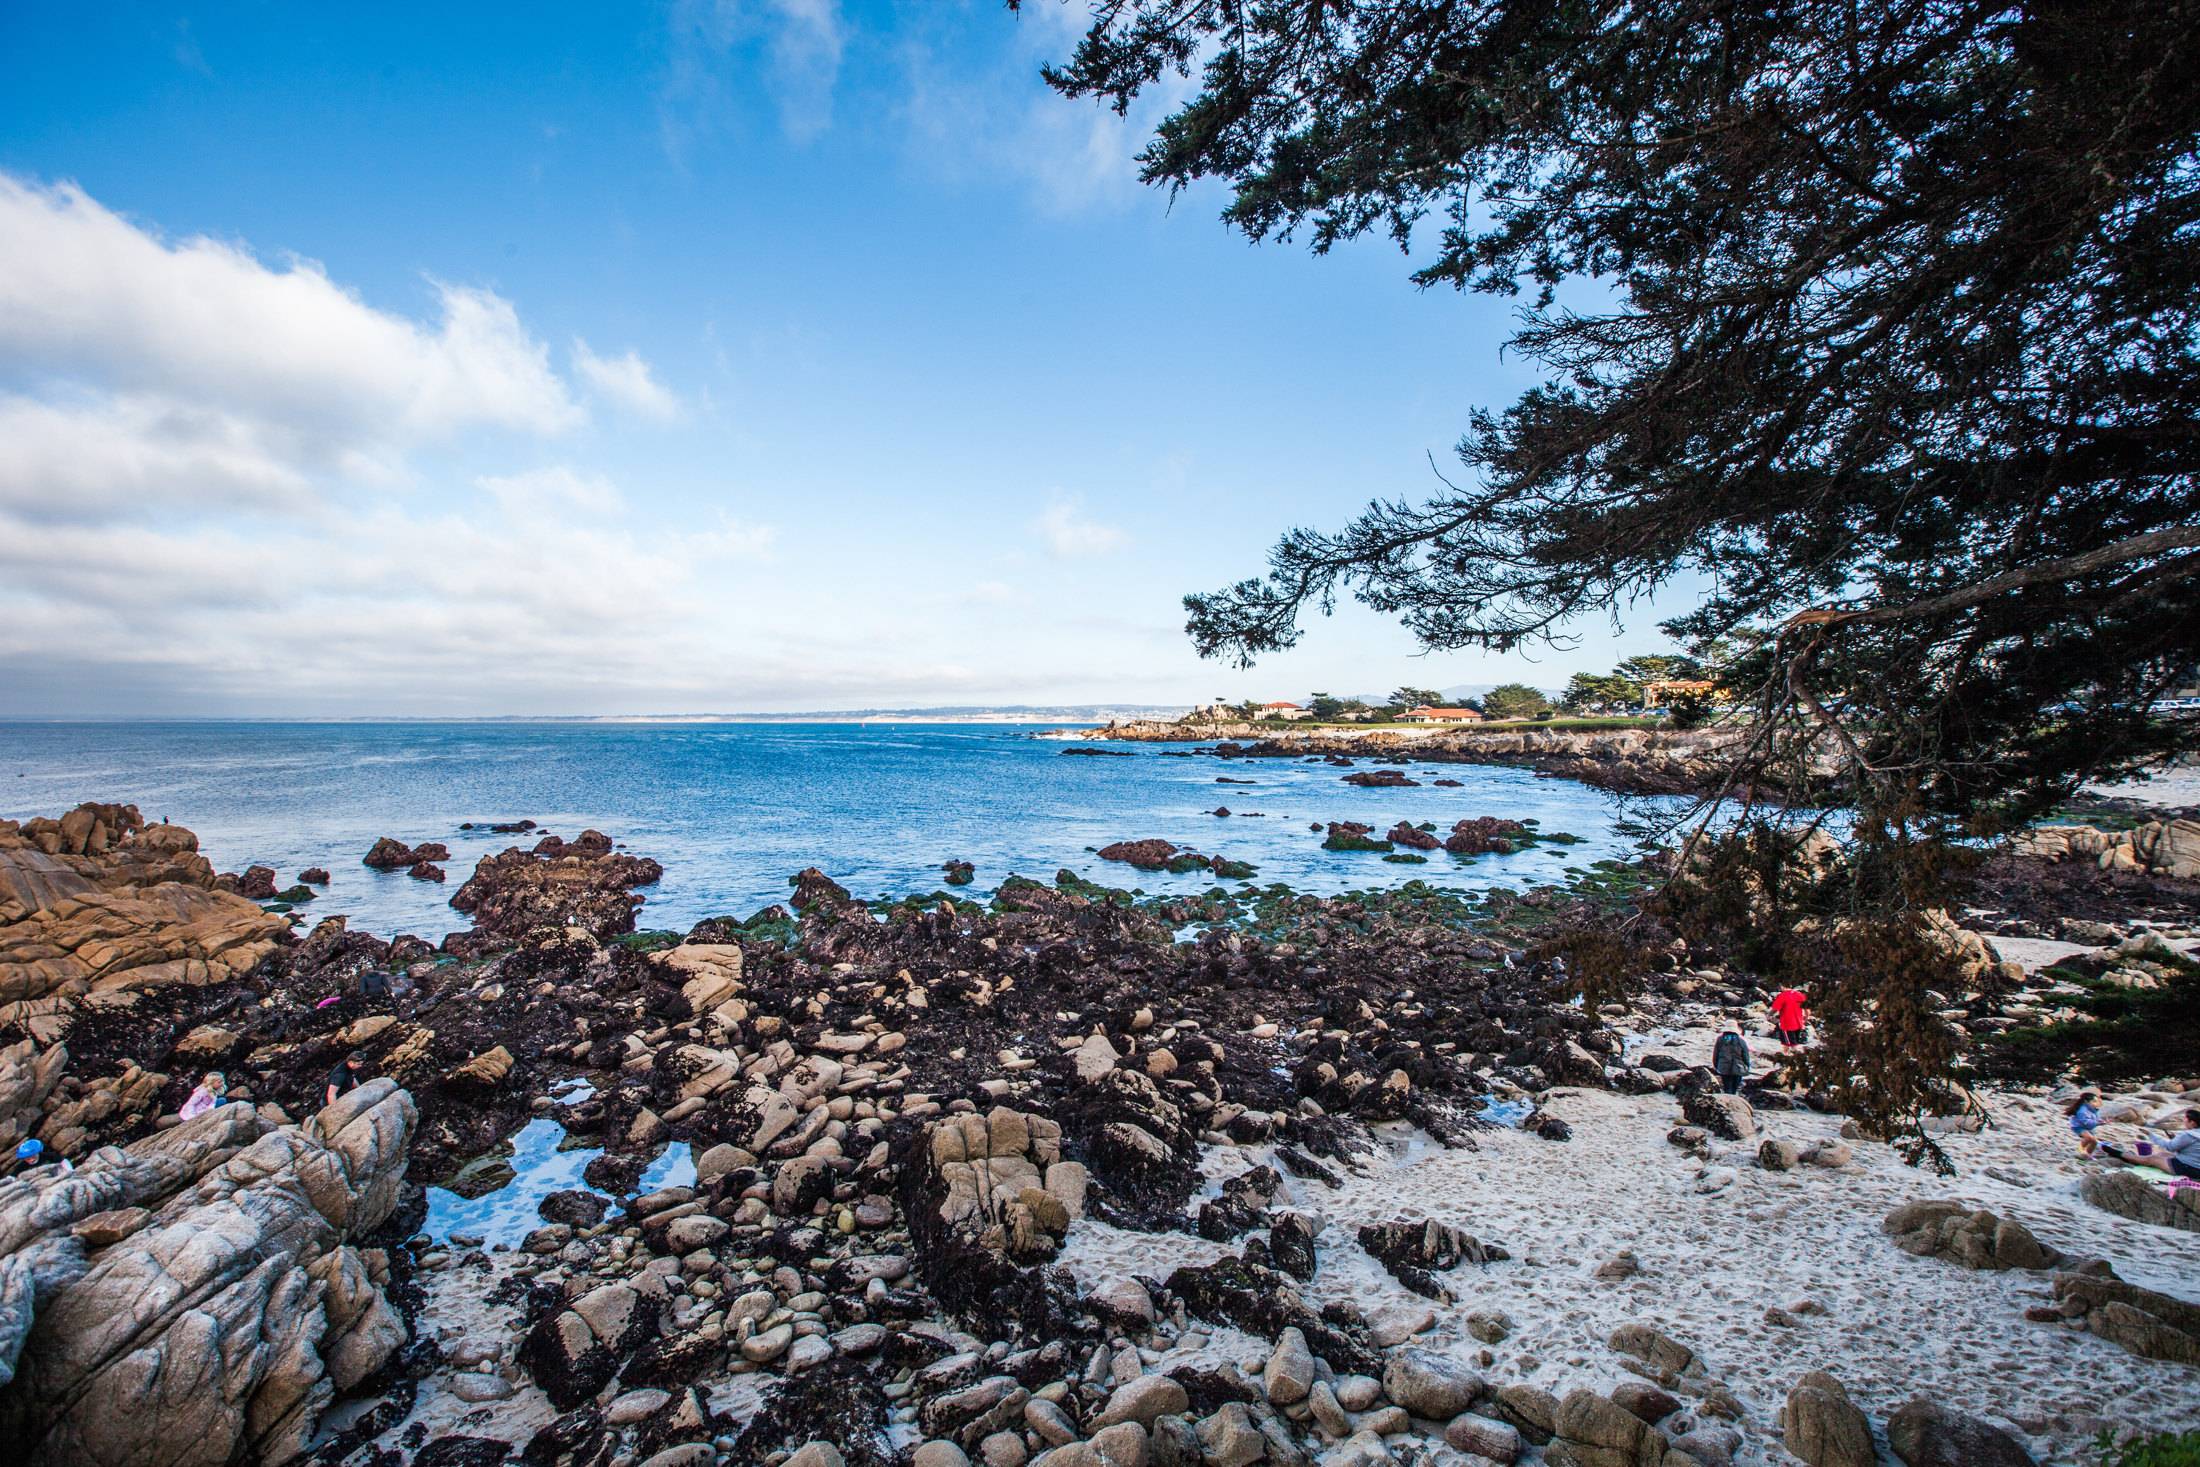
(1658, 667)
(2181, 1449)
(2127, 1033)
(1589, 691)
(1515, 700)
(1896, 318)
(1690, 710)
(1850, 931)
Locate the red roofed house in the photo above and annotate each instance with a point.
(1290, 711)
(1440, 715)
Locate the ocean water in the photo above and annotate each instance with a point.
(733, 810)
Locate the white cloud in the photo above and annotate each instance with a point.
(80, 460)
(732, 539)
(87, 295)
(1074, 156)
(553, 489)
(627, 381)
(1068, 533)
(801, 41)
(219, 488)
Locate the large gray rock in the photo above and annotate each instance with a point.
(1429, 1385)
(1926, 1433)
(1141, 1399)
(1974, 1239)
(221, 1329)
(2129, 1195)
(1600, 1433)
(2156, 1326)
(1823, 1427)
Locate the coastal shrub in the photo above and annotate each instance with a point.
(2126, 1032)
(2165, 1449)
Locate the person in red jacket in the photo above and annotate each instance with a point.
(1789, 1016)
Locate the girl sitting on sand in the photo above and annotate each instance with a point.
(2179, 1155)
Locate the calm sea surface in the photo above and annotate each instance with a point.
(733, 810)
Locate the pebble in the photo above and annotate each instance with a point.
(634, 1406)
(477, 1386)
(768, 1345)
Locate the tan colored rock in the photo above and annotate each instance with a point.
(486, 1069)
(99, 903)
(710, 975)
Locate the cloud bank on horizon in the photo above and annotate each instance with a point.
(847, 368)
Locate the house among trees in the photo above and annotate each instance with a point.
(1679, 687)
(1440, 715)
(1290, 712)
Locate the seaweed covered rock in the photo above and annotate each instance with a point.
(1350, 835)
(1412, 837)
(1484, 835)
(1416, 1251)
(1264, 1302)
(582, 884)
(986, 1197)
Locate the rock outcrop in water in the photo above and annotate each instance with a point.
(100, 905)
(193, 1298)
(581, 883)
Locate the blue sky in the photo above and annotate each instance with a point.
(703, 357)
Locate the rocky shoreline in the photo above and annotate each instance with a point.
(1631, 761)
(1068, 1177)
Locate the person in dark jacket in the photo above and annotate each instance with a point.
(1730, 1059)
(346, 1076)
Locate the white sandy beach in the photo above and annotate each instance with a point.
(1722, 1242)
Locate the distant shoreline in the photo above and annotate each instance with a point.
(1035, 718)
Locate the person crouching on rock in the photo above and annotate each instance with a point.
(2179, 1155)
(2085, 1119)
(345, 1076)
(1789, 1016)
(209, 1094)
(1730, 1059)
(32, 1154)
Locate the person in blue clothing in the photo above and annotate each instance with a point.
(2085, 1119)
(1730, 1059)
